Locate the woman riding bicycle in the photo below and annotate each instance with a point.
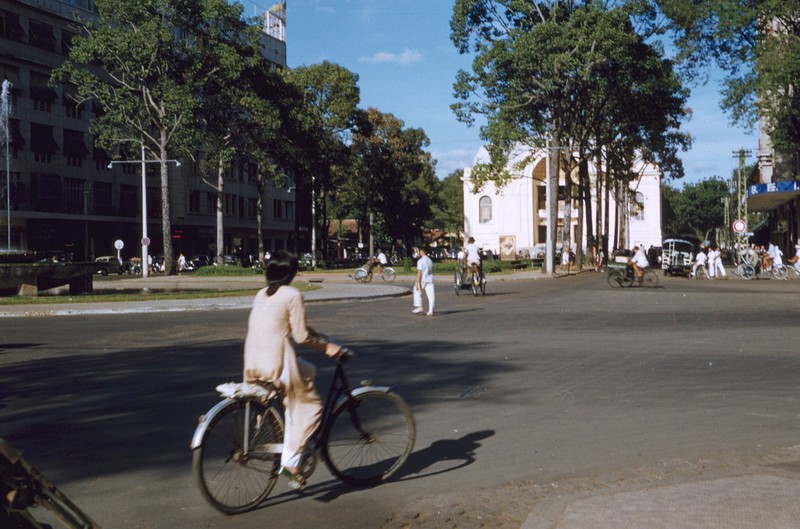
(277, 322)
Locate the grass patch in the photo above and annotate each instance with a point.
(123, 297)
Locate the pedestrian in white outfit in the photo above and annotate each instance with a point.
(424, 282)
(719, 267)
(712, 262)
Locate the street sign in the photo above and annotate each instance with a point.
(739, 226)
(145, 241)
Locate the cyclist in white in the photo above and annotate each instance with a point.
(699, 261)
(639, 262)
(473, 257)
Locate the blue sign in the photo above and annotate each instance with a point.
(773, 187)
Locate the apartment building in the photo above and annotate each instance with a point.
(63, 194)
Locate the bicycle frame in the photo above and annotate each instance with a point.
(339, 394)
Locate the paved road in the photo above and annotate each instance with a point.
(544, 404)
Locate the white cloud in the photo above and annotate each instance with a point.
(404, 58)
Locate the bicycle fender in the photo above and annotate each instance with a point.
(360, 391)
(197, 438)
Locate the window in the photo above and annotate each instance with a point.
(154, 202)
(194, 202)
(127, 199)
(43, 144)
(277, 209)
(41, 35)
(484, 210)
(101, 198)
(211, 203)
(241, 207)
(74, 194)
(42, 96)
(252, 206)
(230, 204)
(74, 149)
(10, 27)
(637, 206)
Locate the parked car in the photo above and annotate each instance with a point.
(107, 263)
(200, 260)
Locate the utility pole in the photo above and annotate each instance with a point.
(742, 240)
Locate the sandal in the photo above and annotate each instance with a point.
(296, 481)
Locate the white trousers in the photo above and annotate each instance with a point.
(429, 293)
(720, 268)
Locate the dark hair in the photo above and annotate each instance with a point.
(281, 269)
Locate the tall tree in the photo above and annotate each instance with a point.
(392, 182)
(699, 207)
(563, 66)
(330, 97)
(147, 64)
(757, 44)
(448, 212)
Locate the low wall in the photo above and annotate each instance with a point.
(28, 279)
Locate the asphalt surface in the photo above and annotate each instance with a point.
(746, 500)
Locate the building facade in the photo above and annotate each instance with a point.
(64, 196)
(514, 219)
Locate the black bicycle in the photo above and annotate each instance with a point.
(22, 488)
(366, 434)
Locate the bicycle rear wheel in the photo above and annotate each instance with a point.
(388, 274)
(618, 279)
(360, 274)
(231, 478)
(746, 271)
(370, 436)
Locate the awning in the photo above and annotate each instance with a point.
(41, 92)
(767, 197)
(42, 138)
(73, 144)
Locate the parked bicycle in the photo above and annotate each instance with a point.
(624, 276)
(23, 488)
(366, 434)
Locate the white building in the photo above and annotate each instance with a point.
(514, 217)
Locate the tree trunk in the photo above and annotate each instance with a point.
(166, 216)
(260, 217)
(552, 199)
(586, 211)
(220, 189)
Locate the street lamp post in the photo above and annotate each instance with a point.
(145, 239)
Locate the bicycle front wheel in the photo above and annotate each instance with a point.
(370, 436)
(780, 272)
(650, 279)
(235, 476)
(389, 274)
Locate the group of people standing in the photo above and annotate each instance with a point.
(711, 260)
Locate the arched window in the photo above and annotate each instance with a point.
(637, 206)
(484, 210)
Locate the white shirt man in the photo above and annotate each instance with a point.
(382, 258)
(699, 260)
(424, 282)
(640, 258)
(473, 252)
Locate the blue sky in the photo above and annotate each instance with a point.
(406, 64)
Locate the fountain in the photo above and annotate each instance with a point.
(5, 115)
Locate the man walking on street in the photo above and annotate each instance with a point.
(424, 282)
